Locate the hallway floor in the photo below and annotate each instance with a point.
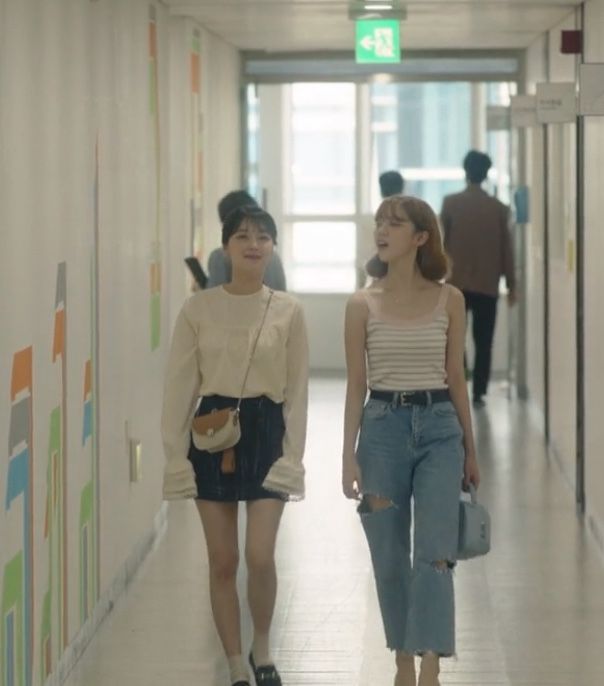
(530, 613)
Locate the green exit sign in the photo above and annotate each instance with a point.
(378, 41)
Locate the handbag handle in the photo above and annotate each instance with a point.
(249, 364)
(473, 494)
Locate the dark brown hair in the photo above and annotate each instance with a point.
(261, 218)
(231, 201)
(432, 260)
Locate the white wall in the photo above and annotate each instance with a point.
(87, 113)
(532, 284)
(594, 284)
(215, 117)
(222, 126)
(562, 276)
(546, 63)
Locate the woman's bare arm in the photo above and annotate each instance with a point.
(356, 390)
(456, 380)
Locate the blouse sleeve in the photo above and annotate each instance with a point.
(287, 473)
(181, 390)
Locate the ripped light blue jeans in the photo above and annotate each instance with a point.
(413, 452)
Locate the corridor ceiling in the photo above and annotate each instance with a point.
(323, 25)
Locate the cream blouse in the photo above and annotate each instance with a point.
(213, 337)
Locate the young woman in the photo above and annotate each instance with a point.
(213, 340)
(405, 341)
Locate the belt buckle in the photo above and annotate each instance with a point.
(402, 398)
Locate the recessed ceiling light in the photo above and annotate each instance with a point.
(385, 9)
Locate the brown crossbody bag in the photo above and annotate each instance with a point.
(219, 430)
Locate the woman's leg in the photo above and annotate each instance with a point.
(386, 518)
(429, 670)
(436, 490)
(405, 669)
(483, 330)
(219, 521)
(263, 517)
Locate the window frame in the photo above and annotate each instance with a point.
(279, 113)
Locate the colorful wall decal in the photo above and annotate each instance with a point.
(16, 629)
(54, 629)
(89, 503)
(87, 522)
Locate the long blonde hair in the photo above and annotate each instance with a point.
(432, 260)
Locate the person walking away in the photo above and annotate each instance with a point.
(477, 238)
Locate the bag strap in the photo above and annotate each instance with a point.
(249, 364)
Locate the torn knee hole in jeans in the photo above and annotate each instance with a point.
(374, 503)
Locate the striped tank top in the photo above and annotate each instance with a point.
(408, 355)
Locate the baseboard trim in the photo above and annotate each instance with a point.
(593, 525)
(596, 530)
(117, 586)
(536, 414)
(538, 420)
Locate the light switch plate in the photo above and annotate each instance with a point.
(135, 460)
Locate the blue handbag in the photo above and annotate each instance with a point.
(474, 528)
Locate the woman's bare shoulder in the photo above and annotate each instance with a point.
(455, 301)
(358, 301)
(454, 295)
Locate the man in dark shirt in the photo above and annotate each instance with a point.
(478, 240)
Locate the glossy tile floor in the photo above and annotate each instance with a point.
(531, 613)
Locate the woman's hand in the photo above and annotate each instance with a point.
(351, 478)
(471, 473)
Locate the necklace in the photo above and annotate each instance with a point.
(392, 295)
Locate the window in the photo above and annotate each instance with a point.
(322, 143)
(320, 186)
(423, 130)
(499, 143)
(253, 154)
(302, 146)
(324, 256)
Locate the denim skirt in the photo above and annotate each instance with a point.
(260, 445)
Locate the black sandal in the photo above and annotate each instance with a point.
(265, 675)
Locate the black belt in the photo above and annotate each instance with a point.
(440, 395)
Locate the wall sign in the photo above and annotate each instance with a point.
(524, 110)
(556, 103)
